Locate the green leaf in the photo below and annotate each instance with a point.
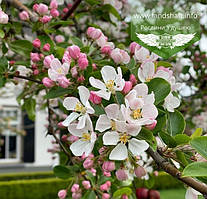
(46, 39)
(181, 156)
(131, 64)
(30, 107)
(195, 169)
(120, 97)
(3, 64)
(62, 23)
(2, 34)
(111, 9)
(161, 122)
(200, 145)
(90, 177)
(62, 172)
(164, 64)
(93, 2)
(198, 132)
(57, 92)
(99, 110)
(89, 195)
(161, 89)
(185, 69)
(167, 139)
(176, 123)
(120, 192)
(22, 47)
(2, 81)
(182, 139)
(59, 52)
(77, 41)
(150, 183)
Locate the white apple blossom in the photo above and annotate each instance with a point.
(113, 82)
(146, 72)
(81, 109)
(86, 141)
(143, 55)
(120, 152)
(192, 193)
(171, 102)
(57, 70)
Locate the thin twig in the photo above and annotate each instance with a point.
(27, 78)
(170, 169)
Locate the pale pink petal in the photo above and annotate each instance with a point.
(90, 110)
(73, 116)
(149, 111)
(142, 54)
(84, 94)
(141, 90)
(149, 99)
(97, 83)
(108, 73)
(112, 111)
(110, 138)
(103, 94)
(148, 70)
(52, 74)
(137, 146)
(65, 68)
(79, 147)
(120, 152)
(70, 103)
(55, 64)
(121, 126)
(103, 123)
(72, 128)
(190, 195)
(141, 76)
(81, 122)
(133, 129)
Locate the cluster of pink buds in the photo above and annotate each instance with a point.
(37, 44)
(76, 191)
(118, 55)
(46, 13)
(108, 167)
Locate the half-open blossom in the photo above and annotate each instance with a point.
(59, 38)
(62, 194)
(81, 109)
(42, 9)
(3, 17)
(171, 102)
(94, 33)
(112, 82)
(54, 13)
(134, 46)
(120, 56)
(45, 19)
(53, 4)
(86, 141)
(74, 51)
(47, 60)
(24, 15)
(46, 47)
(63, 81)
(57, 69)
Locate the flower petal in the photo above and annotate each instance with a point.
(79, 147)
(81, 122)
(137, 146)
(141, 90)
(65, 68)
(84, 94)
(148, 69)
(190, 195)
(133, 129)
(90, 110)
(112, 111)
(72, 128)
(55, 64)
(149, 111)
(73, 116)
(110, 138)
(103, 94)
(97, 83)
(108, 73)
(120, 152)
(70, 102)
(103, 123)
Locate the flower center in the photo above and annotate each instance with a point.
(124, 138)
(136, 114)
(59, 70)
(80, 108)
(110, 85)
(148, 79)
(86, 137)
(113, 125)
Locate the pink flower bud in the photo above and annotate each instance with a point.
(59, 38)
(42, 9)
(64, 138)
(12, 62)
(34, 66)
(153, 194)
(75, 188)
(93, 171)
(102, 150)
(36, 43)
(104, 187)
(62, 194)
(81, 79)
(74, 71)
(151, 126)
(69, 5)
(88, 163)
(132, 47)
(106, 196)
(46, 47)
(45, 19)
(139, 171)
(3, 17)
(94, 33)
(95, 99)
(24, 16)
(73, 138)
(94, 66)
(106, 50)
(124, 196)
(48, 59)
(74, 51)
(127, 87)
(48, 82)
(107, 174)
(132, 79)
(41, 55)
(86, 184)
(35, 6)
(65, 10)
(108, 166)
(63, 82)
(55, 13)
(82, 63)
(53, 4)
(60, 125)
(121, 175)
(76, 195)
(108, 183)
(34, 57)
(156, 173)
(142, 193)
(36, 72)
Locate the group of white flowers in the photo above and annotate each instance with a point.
(121, 123)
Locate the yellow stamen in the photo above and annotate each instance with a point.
(80, 108)
(59, 70)
(86, 137)
(136, 114)
(148, 79)
(113, 125)
(147, 56)
(110, 86)
(124, 138)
